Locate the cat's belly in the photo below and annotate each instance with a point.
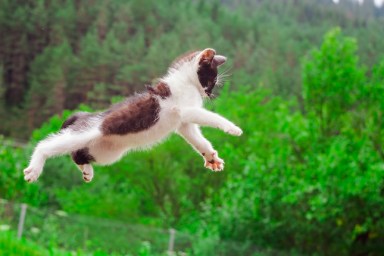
(105, 151)
(112, 148)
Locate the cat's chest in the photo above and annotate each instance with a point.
(187, 100)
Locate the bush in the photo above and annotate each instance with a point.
(306, 183)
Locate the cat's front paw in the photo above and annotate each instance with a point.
(31, 174)
(234, 130)
(213, 162)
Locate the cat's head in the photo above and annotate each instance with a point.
(204, 66)
(208, 62)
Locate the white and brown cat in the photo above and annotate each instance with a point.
(174, 104)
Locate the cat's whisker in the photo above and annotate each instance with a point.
(226, 71)
(224, 75)
(221, 79)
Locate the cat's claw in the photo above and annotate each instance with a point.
(234, 130)
(31, 174)
(215, 164)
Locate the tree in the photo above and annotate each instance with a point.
(48, 78)
(332, 80)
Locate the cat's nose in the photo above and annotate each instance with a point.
(219, 60)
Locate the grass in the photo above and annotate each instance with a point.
(11, 246)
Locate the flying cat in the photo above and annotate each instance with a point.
(173, 104)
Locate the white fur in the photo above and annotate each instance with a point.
(182, 112)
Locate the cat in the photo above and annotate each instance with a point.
(173, 104)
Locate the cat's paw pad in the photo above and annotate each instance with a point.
(31, 174)
(87, 176)
(234, 130)
(214, 163)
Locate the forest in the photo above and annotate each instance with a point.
(305, 83)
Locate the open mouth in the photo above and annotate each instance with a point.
(208, 90)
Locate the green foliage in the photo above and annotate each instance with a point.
(12, 184)
(301, 188)
(58, 54)
(332, 80)
(305, 178)
(285, 188)
(10, 245)
(297, 183)
(48, 83)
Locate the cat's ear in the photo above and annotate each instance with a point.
(206, 56)
(218, 60)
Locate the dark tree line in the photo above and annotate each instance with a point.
(57, 54)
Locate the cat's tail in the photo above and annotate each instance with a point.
(60, 143)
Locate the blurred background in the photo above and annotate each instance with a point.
(306, 84)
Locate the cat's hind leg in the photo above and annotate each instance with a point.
(82, 159)
(87, 171)
(61, 143)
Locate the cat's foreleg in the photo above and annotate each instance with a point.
(192, 134)
(58, 144)
(204, 117)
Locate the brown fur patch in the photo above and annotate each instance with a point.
(161, 89)
(136, 114)
(77, 121)
(70, 121)
(82, 156)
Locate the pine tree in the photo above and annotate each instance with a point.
(48, 79)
